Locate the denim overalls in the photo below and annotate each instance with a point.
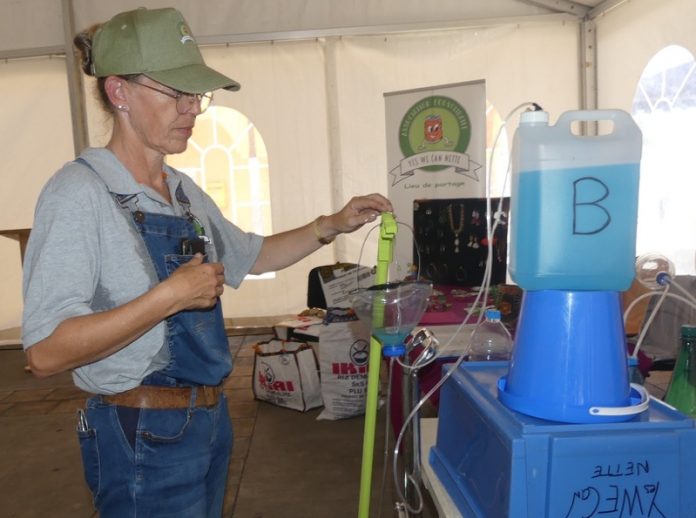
(198, 349)
(165, 462)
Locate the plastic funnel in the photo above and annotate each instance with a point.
(391, 311)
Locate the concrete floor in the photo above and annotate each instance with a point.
(285, 464)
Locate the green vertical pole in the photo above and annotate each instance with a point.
(385, 251)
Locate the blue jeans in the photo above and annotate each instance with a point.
(178, 466)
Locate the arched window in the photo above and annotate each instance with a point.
(227, 158)
(664, 106)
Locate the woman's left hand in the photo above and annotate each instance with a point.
(358, 211)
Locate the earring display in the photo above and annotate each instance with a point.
(451, 237)
(456, 230)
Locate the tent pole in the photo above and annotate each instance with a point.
(333, 117)
(75, 84)
(588, 72)
(560, 6)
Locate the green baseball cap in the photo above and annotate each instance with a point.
(157, 43)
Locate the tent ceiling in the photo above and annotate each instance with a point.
(35, 27)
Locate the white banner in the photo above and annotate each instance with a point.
(436, 149)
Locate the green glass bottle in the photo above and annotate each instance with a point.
(681, 393)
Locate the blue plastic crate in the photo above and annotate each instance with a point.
(495, 462)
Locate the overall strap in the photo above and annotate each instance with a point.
(129, 203)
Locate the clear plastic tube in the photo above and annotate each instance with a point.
(645, 328)
(663, 294)
(481, 298)
(688, 295)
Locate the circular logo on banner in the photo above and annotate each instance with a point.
(435, 123)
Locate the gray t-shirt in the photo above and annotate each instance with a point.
(84, 256)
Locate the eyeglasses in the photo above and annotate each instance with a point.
(184, 101)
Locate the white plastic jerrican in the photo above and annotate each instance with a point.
(574, 202)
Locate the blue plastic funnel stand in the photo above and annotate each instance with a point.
(569, 361)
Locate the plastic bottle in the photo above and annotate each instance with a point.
(574, 202)
(491, 341)
(681, 393)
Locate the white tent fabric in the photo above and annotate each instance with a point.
(318, 101)
(26, 24)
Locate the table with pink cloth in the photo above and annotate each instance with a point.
(450, 304)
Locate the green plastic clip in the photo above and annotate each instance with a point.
(385, 247)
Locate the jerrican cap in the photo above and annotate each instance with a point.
(158, 44)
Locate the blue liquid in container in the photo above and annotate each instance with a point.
(388, 338)
(392, 342)
(575, 228)
(574, 203)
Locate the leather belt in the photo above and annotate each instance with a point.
(157, 397)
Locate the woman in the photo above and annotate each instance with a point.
(124, 270)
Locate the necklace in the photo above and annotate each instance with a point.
(460, 225)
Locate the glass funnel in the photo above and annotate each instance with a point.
(392, 311)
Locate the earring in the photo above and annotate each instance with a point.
(122, 107)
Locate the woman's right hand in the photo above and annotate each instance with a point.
(88, 338)
(196, 285)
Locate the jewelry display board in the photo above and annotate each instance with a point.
(451, 237)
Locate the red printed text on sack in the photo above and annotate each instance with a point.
(276, 385)
(346, 368)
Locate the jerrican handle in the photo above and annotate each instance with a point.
(624, 125)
